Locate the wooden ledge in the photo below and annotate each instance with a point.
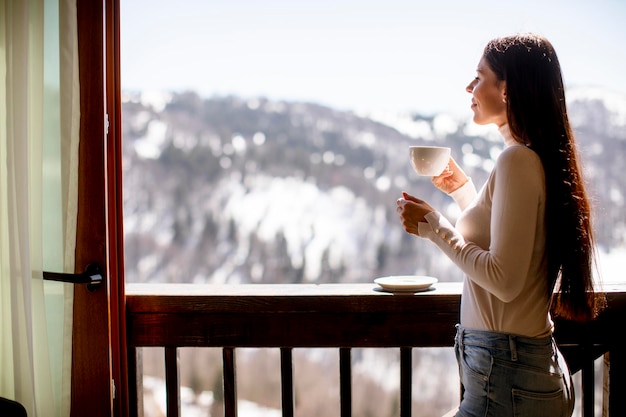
(309, 315)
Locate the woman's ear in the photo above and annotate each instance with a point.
(503, 91)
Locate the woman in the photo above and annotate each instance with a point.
(526, 234)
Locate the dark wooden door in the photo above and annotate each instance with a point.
(98, 378)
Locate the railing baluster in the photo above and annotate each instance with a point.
(617, 381)
(286, 380)
(587, 378)
(172, 383)
(230, 382)
(345, 381)
(406, 375)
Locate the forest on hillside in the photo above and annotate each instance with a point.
(233, 190)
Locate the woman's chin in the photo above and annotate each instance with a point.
(478, 120)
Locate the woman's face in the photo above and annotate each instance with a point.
(488, 96)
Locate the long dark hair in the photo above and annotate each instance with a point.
(537, 117)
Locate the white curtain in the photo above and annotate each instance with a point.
(39, 127)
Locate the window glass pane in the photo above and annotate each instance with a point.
(54, 212)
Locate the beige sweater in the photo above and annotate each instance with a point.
(499, 243)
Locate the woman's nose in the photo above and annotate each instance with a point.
(470, 87)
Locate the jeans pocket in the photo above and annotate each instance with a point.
(539, 404)
(476, 361)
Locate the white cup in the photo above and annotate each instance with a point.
(429, 160)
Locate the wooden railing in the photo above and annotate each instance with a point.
(342, 316)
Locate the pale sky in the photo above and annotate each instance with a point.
(357, 54)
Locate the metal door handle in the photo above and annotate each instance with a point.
(92, 277)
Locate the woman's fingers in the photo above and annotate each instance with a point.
(409, 197)
(411, 211)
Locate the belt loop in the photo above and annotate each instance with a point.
(513, 348)
(459, 336)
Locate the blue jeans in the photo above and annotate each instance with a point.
(506, 375)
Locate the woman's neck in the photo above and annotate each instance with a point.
(505, 131)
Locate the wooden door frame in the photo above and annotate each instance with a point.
(99, 365)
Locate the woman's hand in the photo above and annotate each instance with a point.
(412, 211)
(451, 179)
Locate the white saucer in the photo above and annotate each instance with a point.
(406, 283)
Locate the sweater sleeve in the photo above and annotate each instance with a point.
(464, 195)
(517, 191)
